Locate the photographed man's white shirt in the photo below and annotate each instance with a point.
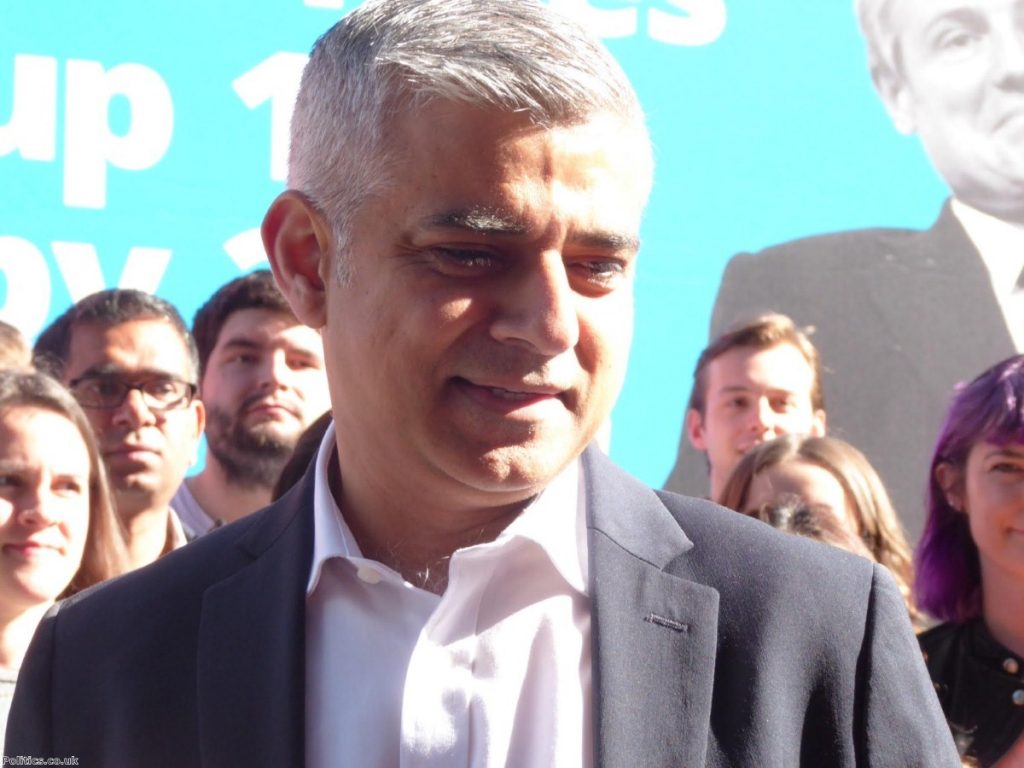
(495, 672)
(1001, 245)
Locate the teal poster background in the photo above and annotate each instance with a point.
(140, 144)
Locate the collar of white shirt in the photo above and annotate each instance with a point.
(1000, 243)
(562, 537)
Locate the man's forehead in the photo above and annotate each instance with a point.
(146, 346)
(778, 366)
(454, 133)
(262, 326)
(926, 12)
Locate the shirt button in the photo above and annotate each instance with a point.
(369, 575)
(1018, 698)
(1011, 667)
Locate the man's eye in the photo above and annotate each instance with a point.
(603, 274)
(103, 388)
(303, 363)
(604, 268)
(955, 40)
(465, 259)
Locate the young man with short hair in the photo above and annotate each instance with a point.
(754, 383)
(262, 383)
(129, 360)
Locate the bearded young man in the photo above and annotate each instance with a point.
(262, 383)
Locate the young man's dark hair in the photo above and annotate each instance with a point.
(108, 308)
(256, 290)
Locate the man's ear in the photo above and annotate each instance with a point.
(818, 423)
(695, 429)
(200, 413)
(896, 97)
(950, 480)
(298, 244)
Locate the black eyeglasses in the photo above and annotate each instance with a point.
(160, 393)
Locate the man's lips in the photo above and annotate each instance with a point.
(138, 451)
(508, 397)
(270, 408)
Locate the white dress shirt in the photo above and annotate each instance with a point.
(495, 672)
(1001, 245)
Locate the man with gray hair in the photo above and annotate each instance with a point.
(459, 579)
(902, 315)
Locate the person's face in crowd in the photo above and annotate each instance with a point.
(263, 384)
(483, 336)
(960, 87)
(44, 506)
(811, 482)
(147, 450)
(751, 396)
(991, 493)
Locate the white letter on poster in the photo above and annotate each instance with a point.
(604, 23)
(80, 266)
(703, 23)
(246, 249)
(32, 129)
(28, 285)
(276, 79)
(89, 144)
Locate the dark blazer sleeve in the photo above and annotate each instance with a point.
(900, 721)
(28, 727)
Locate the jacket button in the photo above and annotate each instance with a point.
(1011, 666)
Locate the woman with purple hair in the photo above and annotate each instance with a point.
(970, 567)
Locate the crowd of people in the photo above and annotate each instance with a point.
(449, 571)
(100, 422)
(757, 412)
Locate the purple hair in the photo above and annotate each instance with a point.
(989, 409)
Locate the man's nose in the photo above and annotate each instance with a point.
(539, 310)
(764, 417)
(275, 373)
(1010, 57)
(133, 410)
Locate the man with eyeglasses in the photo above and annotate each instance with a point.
(130, 361)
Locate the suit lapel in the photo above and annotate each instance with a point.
(251, 647)
(935, 294)
(654, 633)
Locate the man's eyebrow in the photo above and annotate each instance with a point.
(480, 221)
(114, 370)
(607, 241)
(483, 221)
(734, 388)
(243, 342)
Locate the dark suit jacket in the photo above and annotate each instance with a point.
(901, 316)
(717, 641)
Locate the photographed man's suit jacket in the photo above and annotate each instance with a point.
(900, 317)
(717, 641)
